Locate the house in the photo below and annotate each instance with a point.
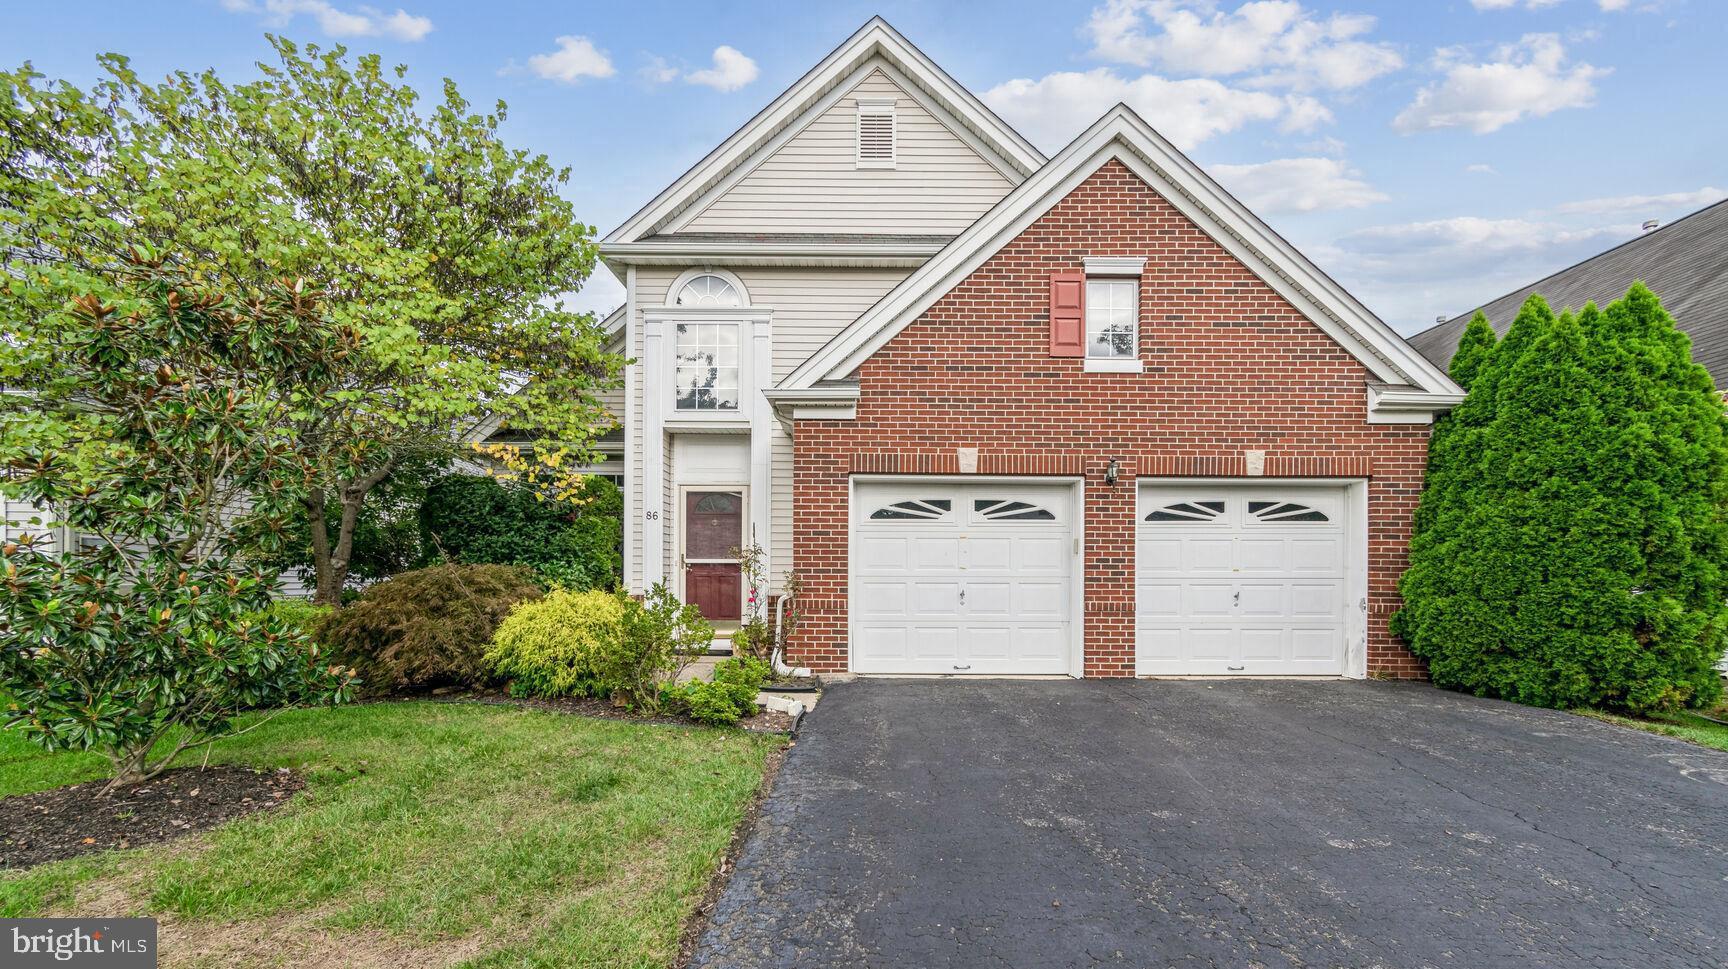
(1685, 263)
(1007, 414)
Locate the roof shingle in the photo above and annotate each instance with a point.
(1685, 263)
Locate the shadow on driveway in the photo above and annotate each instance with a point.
(926, 824)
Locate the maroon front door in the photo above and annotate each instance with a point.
(713, 533)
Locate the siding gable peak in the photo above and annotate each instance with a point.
(876, 40)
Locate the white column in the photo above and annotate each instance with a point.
(632, 433)
(761, 446)
(655, 389)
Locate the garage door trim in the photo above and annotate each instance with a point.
(1355, 492)
(1074, 486)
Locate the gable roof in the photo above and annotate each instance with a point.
(1684, 262)
(1122, 135)
(875, 40)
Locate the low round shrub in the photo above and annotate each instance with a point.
(599, 644)
(731, 696)
(555, 646)
(428, 627)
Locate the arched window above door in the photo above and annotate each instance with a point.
(712, 289)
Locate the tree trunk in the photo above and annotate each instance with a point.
(330, 560)
(327, 582)
(129, 768)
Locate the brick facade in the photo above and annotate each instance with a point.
(1230, 367)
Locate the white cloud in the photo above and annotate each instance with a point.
(1504, 4)
(1274, 43)
(731, 71)
(405, 26)
(1298, 185)
(1480, 169)
(1053, 109)
(1609, 6)
(658, 71)
(1324, 146)
(1412, 272)
(1528, 79)
(1644, 204)
(575, 59)
(362, 21)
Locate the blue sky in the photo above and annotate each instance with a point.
(1430, 154)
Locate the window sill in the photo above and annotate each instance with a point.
(1114, 365)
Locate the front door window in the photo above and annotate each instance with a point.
(713, 532)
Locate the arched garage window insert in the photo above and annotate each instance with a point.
(1007, 510)
(1188, 511)
(924, 509)
(1279, 512)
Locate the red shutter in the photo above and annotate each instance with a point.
(1067, 314)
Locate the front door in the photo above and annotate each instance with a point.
(713, 533)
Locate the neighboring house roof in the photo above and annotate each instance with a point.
(1410, 382)
(1685, 263)
(875, 41)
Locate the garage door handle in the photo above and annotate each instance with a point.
(963, 667)
(1235, 669)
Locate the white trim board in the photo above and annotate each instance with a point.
(875, 39)
(1121, 135)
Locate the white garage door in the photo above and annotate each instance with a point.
(1247, 580)
(962, 578)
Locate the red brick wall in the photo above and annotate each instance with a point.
(1230, 366)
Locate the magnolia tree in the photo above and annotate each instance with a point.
(157, 421)
(440, 247)
(1570, 547)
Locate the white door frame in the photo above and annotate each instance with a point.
(678, 534)
(1076, 487)
(1356, 557)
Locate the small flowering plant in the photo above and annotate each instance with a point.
(756, 635)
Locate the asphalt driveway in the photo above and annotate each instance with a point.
(925, 824)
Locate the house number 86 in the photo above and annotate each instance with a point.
(651, 516)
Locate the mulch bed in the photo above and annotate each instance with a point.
(70, 821)
(765, 721)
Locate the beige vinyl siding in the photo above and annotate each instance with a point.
(939, 185)
(810, 306)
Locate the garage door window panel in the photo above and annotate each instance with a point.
(1190, 512)
(919, 510)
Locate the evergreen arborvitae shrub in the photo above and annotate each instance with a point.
(429, 627)
(1475, 346)
(1570, 549)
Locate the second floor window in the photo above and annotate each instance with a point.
(1112, 315)
(707, 366)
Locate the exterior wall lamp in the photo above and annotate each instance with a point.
(1112, 471)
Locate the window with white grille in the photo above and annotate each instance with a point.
(876, 134)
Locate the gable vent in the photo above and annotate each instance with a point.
(876, 134)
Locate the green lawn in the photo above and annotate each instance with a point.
(429, 834)
(1686, 726)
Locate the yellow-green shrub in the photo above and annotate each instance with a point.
(549, 647)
